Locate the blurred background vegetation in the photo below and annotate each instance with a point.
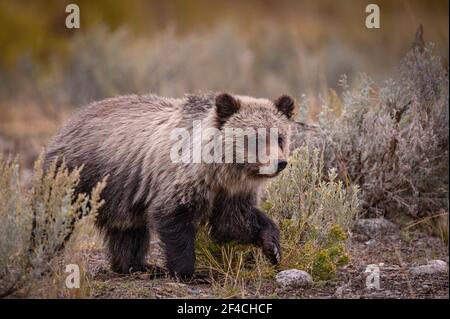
(36, 28)
(260, 48)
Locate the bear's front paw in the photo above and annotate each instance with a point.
(271, 244)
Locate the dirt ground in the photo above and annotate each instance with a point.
(394, 255)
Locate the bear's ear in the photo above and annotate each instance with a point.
(286, 105)
(226, 105)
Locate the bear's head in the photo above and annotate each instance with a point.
(256, 133)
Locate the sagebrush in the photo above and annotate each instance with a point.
(391, 139)
(35, 224)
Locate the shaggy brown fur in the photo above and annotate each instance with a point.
(128, 139)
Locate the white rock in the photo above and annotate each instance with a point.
(431, 268)
(294, 278)
(375, 227)
(371, 242)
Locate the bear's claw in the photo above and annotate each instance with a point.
(271, 245)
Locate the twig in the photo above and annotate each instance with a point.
(306, 126)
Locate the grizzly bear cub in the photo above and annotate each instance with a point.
(130, 140)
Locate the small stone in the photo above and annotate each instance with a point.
(177, 285)
(294, 278)
(338, 292)
(194, 291)
(341, 290)
(371, 242)
(361, 238)
(375, 227)
(433, 267)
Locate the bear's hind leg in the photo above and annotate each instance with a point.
(128, 249)
(177, 233)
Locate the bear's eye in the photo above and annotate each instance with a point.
(280, 141)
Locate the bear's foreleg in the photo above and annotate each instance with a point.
(246, 224)
(177, 233)
(269, 238)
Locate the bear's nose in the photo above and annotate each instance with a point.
(281, 165)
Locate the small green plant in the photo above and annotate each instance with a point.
(35, 224)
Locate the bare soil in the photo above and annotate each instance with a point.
(394, 255)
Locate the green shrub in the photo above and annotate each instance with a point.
(35, 224)
(314, 212)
